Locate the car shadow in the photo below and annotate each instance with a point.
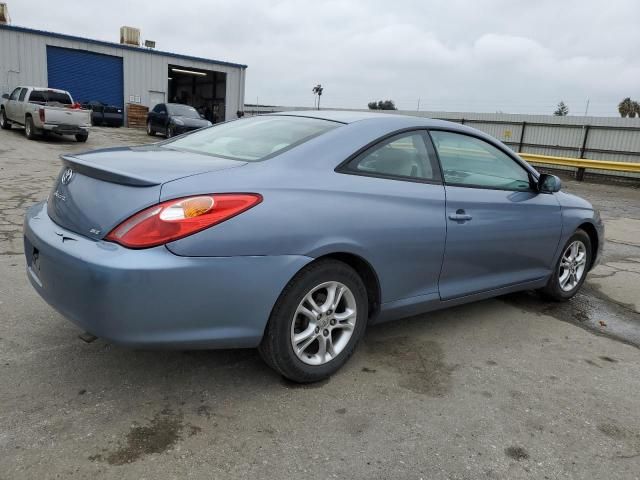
(47, 137)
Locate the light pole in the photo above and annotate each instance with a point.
(317, 90)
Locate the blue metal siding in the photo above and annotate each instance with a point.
(86, 75)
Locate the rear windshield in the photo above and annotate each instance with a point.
(254, 138)
(49, 96)
(183, 111)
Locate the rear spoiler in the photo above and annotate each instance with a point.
(114, 176)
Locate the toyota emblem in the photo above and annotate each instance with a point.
(67, 176)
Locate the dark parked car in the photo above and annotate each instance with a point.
(103, 114)
(172, 119)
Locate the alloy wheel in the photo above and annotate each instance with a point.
(323, 323)
(572, 265)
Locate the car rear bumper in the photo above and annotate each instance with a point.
(151, 297)
(65, 129)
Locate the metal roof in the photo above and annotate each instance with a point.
(117, 45)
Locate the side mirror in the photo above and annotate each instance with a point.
(548, 183)
(202, 116)
(5, 95)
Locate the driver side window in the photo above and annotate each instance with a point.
(469, 161)
(14, 94)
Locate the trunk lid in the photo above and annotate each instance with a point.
(66, 116)
(96, 191)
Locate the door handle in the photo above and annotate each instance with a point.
(460, 216)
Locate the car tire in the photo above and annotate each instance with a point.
(571, 269)
(339, 335)
(82, 137)
(168, 132)
(150, 130)
(5, 124)
(29, 129)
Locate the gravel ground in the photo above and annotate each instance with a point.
(506, 388)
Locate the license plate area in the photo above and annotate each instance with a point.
(32, 255)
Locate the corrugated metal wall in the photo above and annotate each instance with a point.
(607, 138)
(23, 61)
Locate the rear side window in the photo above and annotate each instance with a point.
(469, 161)
(402, 156)
(253, 139)
(49, 96)
(37, 96)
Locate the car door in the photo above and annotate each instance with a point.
(399, 177)
(160, 117)
(153, 113)
(11, 106)
(20, 105)
(500, 230)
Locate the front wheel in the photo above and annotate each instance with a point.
(4, 122)
(82, 137)
(150, 130)
(316, 323)
(169, 132)
(571, 269)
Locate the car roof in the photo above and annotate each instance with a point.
(43, 89)
(346, 116)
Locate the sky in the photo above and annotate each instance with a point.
(517, 56)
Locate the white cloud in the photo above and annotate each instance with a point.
(514, 56)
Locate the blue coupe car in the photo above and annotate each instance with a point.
(292, 232)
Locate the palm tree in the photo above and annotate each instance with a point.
(635, 109)
(317, 90)
(625, 107)
(562, 110)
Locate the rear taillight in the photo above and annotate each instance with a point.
(169, 221)
(41, 114)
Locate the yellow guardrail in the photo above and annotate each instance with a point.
(582, 163)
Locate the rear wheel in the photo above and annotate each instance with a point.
(82, 137)
(29, 129)
(150, 130)
(169, 131)
(571, 269)
(316, 323)
(4, 122)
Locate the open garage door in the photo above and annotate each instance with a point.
(205, 90)
(86, 75)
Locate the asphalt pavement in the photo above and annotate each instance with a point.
(508, 388)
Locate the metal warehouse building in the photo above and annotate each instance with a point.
(119, 73)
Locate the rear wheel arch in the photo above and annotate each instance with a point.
(365, 271)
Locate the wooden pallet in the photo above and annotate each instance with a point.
(137, 115)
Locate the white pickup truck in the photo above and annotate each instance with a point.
(42, 110)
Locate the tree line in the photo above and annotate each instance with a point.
(626, 108)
